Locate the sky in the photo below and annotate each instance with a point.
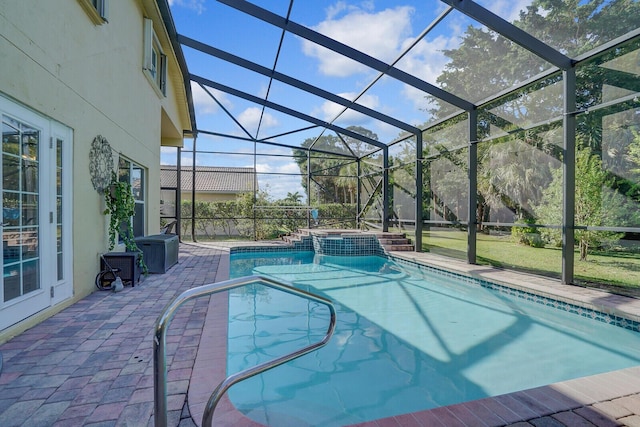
(383, 29)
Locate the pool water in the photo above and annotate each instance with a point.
(406, 340)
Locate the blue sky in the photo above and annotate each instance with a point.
(383, 29)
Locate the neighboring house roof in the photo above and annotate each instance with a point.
(210, 179)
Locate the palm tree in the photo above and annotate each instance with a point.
(294, 198)
(348, 180)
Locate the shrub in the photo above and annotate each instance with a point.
(529, 236)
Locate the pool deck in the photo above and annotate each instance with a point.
(92, 365)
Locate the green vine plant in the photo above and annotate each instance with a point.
(121, 209)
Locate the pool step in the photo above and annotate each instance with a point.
(395, 242)
(388, 241)
(402, 248)
(299, 241)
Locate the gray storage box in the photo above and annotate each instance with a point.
(126, 262)
(160, 251)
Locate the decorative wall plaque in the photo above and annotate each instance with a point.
(100, 163)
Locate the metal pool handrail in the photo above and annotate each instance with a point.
(159, 347)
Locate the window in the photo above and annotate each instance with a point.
(96, 9)
(134, 175)
(155, 61)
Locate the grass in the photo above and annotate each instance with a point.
(616, 271)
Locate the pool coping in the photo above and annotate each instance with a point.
(595, 395)
(618, 306)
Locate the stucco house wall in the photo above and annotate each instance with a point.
(58, 62)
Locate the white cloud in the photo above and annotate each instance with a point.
(335, 9)
(204, 104)
(168, 155)
(195, 5)
(263, 168)
(508, 9)
(426, 61)
(341, 6)
(290, 167)
(279, 185)
(384, 35)
(284, 166)
(250, 118)
(377, 34)
(274, 150)
(330, 110)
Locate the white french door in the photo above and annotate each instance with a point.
(35, 246)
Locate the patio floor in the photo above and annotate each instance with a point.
(92, 365)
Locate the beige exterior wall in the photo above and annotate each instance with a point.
(56, 61)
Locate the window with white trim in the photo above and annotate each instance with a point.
(134, 174)
(97, 10)
(155, 61)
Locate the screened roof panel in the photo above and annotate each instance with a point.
(449, 137)
(232, 31)
(220, 144)
(348, 14)
(460, 58)
(333, 76)
(240, 118)
(218, 160)
(367, 109)
(611, 93)
(398, 100)
(331, 143)
(226, 73)
(350, 118)
(531, 108)
(379, 29)
(403, 151)
(279, 7)
(627, 63)
(619, 76)
(427, 58)
(325, 143)
(274, 151)
(275, 122)
(436, 109)
(226, 160)
(355, 146)
(439, 58)
(572, 27)
(303, 101)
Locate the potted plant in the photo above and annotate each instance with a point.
(121, 209)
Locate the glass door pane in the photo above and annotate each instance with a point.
(20, 208)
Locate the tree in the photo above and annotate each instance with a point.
(633, 154)
(591, 180)
(329, 172)
(294, 198)
(578, 26)
(449, 185)
(513, 174)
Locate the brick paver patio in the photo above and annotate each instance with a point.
(92, 363)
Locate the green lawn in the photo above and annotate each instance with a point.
(617, 271)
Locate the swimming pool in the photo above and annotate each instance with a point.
(406, 340)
